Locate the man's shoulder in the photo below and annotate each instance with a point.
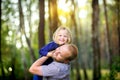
(56, 70)
(61, 66)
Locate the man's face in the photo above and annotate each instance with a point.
(61, 53)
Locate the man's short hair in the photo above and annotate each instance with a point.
(73, 50)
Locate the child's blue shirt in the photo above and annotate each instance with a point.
(49, 47)
(44, 51)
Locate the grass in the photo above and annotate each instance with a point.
(104, 74)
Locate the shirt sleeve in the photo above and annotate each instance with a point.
(49, 70)
(49, 47)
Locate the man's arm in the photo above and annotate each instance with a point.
(36, 66)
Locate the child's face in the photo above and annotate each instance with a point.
(62, 37)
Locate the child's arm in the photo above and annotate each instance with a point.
(50, 53)
(47, 48)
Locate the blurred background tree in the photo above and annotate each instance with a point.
(27, 25)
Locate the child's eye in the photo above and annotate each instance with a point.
(60, 35)
(65, 36)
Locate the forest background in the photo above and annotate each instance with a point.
(27, 25)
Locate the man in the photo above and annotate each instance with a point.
(59, 68)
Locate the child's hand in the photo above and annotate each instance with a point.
(50, 54)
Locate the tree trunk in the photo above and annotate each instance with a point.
(53, 16)
(29, 19)
(108, 34)
(1, 63)
(41, 35)
(78, 75)
(115, 55)
(76, 42)
(118, 24)
(24, 64)
(95, 40)
(22, 26)
(84, 71)
(13, 68)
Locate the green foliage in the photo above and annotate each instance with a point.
(115, 69)
(20, 57)
(104, 72)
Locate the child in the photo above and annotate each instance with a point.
(60, 37)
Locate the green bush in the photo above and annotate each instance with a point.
(115, 69)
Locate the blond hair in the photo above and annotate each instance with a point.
(68, 33)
